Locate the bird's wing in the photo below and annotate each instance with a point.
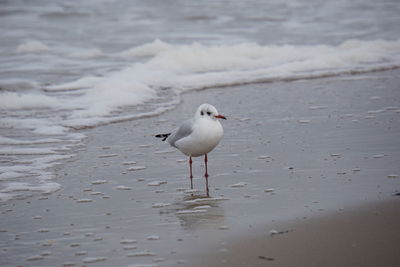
(181, 132)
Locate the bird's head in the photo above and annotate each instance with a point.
(208, 111)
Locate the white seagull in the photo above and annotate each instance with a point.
(197, 136)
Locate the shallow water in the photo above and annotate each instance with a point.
(67, 66)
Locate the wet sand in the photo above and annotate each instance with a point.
(365, 236)
(303, 156)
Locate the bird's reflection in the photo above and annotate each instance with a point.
(196, 211)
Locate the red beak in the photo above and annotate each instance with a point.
(220, 117)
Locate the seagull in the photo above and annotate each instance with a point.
(197, 136)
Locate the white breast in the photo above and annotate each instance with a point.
(205, 137)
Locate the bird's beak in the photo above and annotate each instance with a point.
(220, 117)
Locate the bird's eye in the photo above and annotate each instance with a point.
(202, 113)
(208, 113)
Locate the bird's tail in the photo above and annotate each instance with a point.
(163, 136)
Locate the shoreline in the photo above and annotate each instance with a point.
(290, 150)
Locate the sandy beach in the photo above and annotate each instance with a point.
(307, 174)
(364, 236)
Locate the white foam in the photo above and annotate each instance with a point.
(25, 151)
(12, 141)
(13, 100)
(147, 50)
(195, 66)
(32, 47)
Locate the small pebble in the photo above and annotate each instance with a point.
(84, 200)
(123, 187)
(127, 241)
(66, 264)
(97, 182)
(153, 237)
(145, 146)
(241, 184)
(141, 254)
(156, 183)
(108, 155)
(96, 193)
(35, 258)
(93, 259)
(130, 247)
(129, 163)
(273, 232)
(137, 168)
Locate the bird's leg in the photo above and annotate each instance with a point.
(206, 173)
(191, 175)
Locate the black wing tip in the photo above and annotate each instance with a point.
(163, 136)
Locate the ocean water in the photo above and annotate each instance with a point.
(66, 66)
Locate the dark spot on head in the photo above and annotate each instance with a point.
(201, 113)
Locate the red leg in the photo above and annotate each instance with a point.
(191, 175)
(206, 173)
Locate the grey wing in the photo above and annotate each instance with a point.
(181, 132)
